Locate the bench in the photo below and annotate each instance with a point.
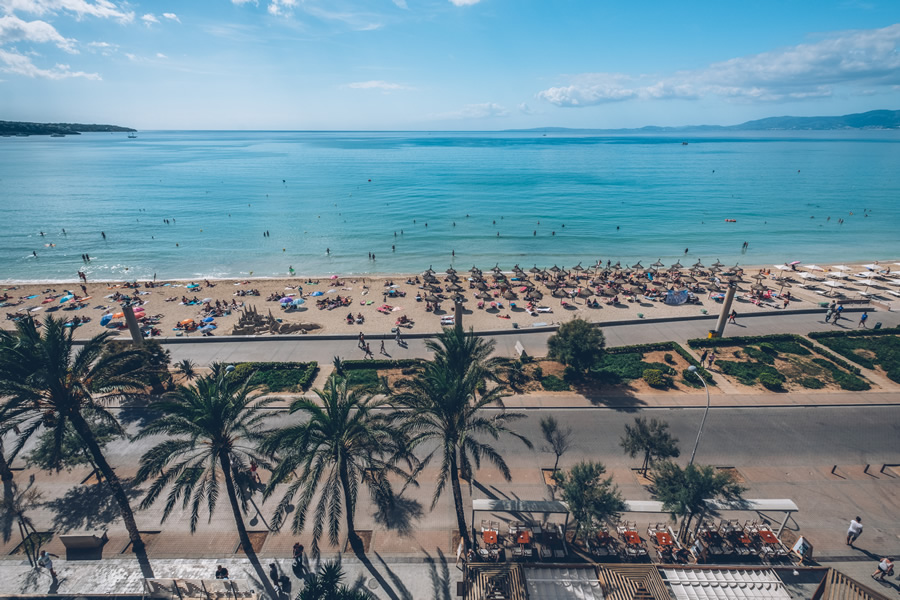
(86, 540)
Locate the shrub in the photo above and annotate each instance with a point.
(772, 380)
(894, 374)
(278, 376)
(363, 377)
(812, 383)
(572, 374)
(850, 382)
(669, 358)
(656, 379)
(538, 373)
(760, 355)
(690, 377)
(552, 383)
(786, 347)
(577, 343)
(382, 363)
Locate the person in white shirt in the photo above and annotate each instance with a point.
(885, 567)
(45, 562)
(854, 531)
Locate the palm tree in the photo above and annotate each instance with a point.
(650, 438)
(187, 369)
(591, 498)
(342, 442)
(684, 492)
(325, 584)
(48, 384)
(211, 430)
(442, 404)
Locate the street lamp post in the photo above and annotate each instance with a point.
(693, 369)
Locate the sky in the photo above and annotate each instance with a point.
(443, 64)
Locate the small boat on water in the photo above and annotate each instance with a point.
(57, 135)
(132, 136)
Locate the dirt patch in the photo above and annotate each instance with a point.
(257, 539)
(365, 535)
(735, 474)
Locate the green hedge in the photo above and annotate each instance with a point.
(278, 376)
(747, 373)
(741, 341)
(641, 348)
(655, 378)
(816, 335)
(363, 377)
(552, 383)
(847, 381)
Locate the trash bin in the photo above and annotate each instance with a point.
(877, 325)
(713, 334)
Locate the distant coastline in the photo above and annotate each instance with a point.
(23, 128)
(871, 120)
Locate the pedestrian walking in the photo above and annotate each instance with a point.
(828, 314)
(362, 340)
(44, 562)
(885, 567)
(703, 357)
(369, 351)
(838, 313)
(254, 472)
(297, 566)
(274, 576)
(862, 320)
(399, 341)
(712, 359)
(732, 316)
(383, 351)
(854, 531)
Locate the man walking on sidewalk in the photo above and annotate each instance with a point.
(855, 530)
(862, 320)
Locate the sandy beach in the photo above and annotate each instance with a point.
(383, 302)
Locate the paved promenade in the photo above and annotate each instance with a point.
(207, 350)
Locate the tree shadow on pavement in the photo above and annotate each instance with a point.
(6, 516)
(88, 506)
(398, 514)
(398, 583)
(356, 545)
(440, 576)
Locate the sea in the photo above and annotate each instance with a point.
(236, 204)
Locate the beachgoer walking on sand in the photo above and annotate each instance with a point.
(44, 562)
(854, 531)
(863, 319)
(732, 317)
(885, 567)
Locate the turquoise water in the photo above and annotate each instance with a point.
(620, 198)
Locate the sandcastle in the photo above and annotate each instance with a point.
(250, 322)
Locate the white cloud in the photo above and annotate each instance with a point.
(103, 9)
(150, 19)
(477, 111)
(282, 7)
(401, 4)
(385, 86)
(464, 2)
(161, 55)
(172, 17)
(14, 29)
(240, 2)
(862, 58)
(13, 62)
(525, 109)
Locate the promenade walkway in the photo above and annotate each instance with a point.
(204, 351)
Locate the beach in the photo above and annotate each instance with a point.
(385, 302)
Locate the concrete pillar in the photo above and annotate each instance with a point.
(136, 336)
(457, 314)
(726, 309)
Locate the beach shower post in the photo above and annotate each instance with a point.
(136, 336)
(726, 308)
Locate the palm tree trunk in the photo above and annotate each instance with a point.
(646, 464)
(355, 541)
(112, 480)
(457, 501)
(243, 536)
(6, 473)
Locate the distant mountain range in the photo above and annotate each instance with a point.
(22, 128)
(874, 119)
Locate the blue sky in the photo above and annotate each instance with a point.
(443, 64)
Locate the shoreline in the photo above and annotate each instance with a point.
(366, 297)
